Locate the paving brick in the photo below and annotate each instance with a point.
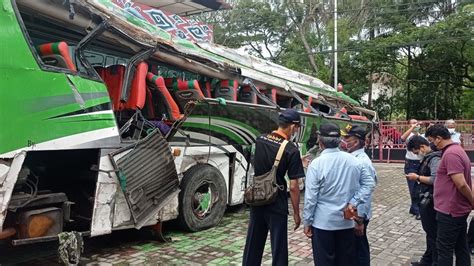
(395, 237)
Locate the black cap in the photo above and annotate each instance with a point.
(290, 116)
(329, 130)
(356, 131)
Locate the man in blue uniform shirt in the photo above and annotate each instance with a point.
(354, 143)
(335, 181)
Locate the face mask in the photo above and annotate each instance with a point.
(451, 130)
(416, 129)
(345, 146)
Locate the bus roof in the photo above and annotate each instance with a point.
(219, 57)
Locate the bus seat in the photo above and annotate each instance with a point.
(184, 85)
(137, 96)
(148, 109)
(185, 91)
(206, 88)
(113, 78)
(359, 117)
(317, 106)
(247, 95)
(100, 71)
(169, 82)
(310, 102)
(56, 54)
(227, 90)
(271, 94)
(342, 110)
(159, 89)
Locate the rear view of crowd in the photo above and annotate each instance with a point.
(338, 193)
(438, 173)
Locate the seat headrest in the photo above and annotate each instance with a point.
(57, 49)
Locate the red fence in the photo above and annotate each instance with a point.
(387, 145)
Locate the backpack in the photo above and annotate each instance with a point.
(425, 170)
(264, 188)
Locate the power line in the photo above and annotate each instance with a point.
(426, 12)
(398, 45)
(418, 6)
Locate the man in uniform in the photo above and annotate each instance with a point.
(354, 142)
(336, 184)
(274, 217)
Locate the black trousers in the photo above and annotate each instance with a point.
(412, 166)
(428, 222)
(470, 234)
(363, 248)
(451, 238)
(262, 220)
(333, 247)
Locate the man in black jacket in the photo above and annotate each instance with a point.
(425, 178)
(274, 217)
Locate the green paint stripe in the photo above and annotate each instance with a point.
(221, 130)
(85, 116)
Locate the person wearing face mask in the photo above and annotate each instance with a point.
(412, 163)
(336, 184)
(453, 199)
(274, 216)
(354, 142)
(425, 178)
(455, 136)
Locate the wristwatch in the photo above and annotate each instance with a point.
(418, 178)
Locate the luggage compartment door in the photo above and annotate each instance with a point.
(147, 176)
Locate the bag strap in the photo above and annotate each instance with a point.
(280, 153)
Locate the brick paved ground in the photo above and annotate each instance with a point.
(395, 238)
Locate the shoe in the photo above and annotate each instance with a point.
(420, 263)
(418, 217)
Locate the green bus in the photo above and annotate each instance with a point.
(109, 122)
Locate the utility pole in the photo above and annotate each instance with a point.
(408, 84)
(335, 44)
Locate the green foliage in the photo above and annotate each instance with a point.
(467, 104)
(421, 52)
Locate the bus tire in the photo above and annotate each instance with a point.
(202, 199)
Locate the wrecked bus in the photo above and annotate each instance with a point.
(110, 123)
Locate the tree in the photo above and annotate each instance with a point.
(421, 51)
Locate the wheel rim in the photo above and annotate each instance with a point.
(204, 199)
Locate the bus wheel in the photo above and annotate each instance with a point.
(203, 198)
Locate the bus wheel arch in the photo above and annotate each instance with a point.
(202, 199)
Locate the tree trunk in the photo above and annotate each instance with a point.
(308, 49)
